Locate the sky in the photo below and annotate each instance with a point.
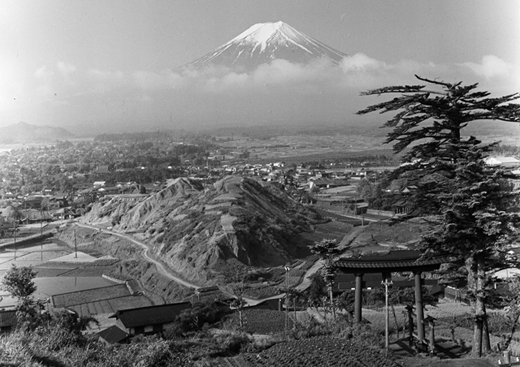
(103, 65)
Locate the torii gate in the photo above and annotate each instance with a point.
(387, 263)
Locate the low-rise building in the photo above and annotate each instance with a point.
(149, 320)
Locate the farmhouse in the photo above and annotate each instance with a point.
(113, 335)
(506, 162)
(148, 320)
(7, 320)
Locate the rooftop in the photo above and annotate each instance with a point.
(403, 260)
(151, 315)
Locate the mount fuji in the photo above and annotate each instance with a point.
(264, 42)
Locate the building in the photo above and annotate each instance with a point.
(149, 320)
(113, 335)
(506, 162)
(7, 321)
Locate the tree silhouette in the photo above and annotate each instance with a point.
(19, 282)
(327, 249)
(469, 204)
(438, 115)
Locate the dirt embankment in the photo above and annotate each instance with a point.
(131, 266)
(194, 230)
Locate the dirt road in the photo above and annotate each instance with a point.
(160, 267)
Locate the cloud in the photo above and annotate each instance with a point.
(353, 74)
(107, 76)
(361, 63)
(65, 68)
(43, 74)
(490, 66)
(279, 91)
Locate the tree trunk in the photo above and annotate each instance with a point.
(240, 318)
(331, 296)
(294, 307)
(476, 278)
(487, 341)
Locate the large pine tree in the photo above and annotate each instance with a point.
(468, 203)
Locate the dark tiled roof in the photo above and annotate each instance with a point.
(7, 318)
(391, 259)
(113, 334)
(152, 315)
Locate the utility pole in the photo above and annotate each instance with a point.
(386, 282)
(15, 238)
(287, 268)
(75, 245)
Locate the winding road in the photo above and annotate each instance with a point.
(163, 271)
(159, 265)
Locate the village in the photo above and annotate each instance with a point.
(41, 184)
(125, 308)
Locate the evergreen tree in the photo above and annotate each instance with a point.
(468, 204)
(327, 249)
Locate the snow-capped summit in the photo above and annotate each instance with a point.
(265, 42)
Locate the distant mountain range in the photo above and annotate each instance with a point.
(26, 133)
(264, 42)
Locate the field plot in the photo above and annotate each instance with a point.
(31, 256)
(319, 351)
(263, 321)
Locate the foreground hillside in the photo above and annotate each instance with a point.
(195, 229)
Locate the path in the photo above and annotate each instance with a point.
(159, 265)
(307, 280)
(302, 286)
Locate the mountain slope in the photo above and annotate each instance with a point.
(195, 230)
(27, 133)
(264, 42)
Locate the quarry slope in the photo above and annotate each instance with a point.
(197, 230)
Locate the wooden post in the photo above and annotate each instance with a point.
(507, 357)
(431, 334)
(358, 298)
(419, 306)
(409, 308)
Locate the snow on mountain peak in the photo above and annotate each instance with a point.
(264, 42)
(261, 34)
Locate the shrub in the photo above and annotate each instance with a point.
(232, 342)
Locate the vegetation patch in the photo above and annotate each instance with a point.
(320, 351)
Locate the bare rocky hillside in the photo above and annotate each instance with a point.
(194, 230)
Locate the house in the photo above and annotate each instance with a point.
(506, 162)
(7, 320)
(273, 304)
(102, 170)
(32, 202)
(149, 320)
(63, 213)
(60, 199)
(402, 207)
(113, 335)
(35, 216)
(109, 190)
